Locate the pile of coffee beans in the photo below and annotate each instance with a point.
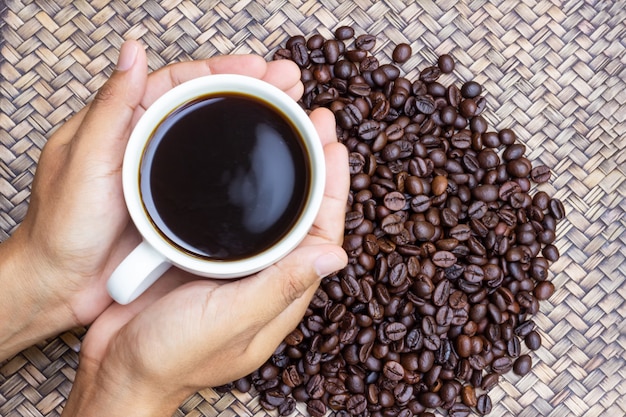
(449, 250)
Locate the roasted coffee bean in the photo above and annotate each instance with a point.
(300, 54)
(365, 42)
(444, 259)
(471, 89)
(395, 331)
(540, 174)
(441, 293)
(543, 290)
(369, 129)
(449, 250)
(489, 381)
(459, 410)
(429, 399)
(483, 405)
(344, 32)
(291, 377)
(282, 53)
(522, 365)
(393, 371)
(502, 365)
(468, 396)
(401, 53)
(316, 408)
(360, 89)
(446, 63)
(486, 193)
(424, 104)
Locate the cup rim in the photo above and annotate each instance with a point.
(184, 93)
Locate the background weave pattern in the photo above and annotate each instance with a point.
(554, 71)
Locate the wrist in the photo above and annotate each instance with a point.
(102, 391)
(35, 311)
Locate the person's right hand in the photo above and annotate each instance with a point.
(185, 334)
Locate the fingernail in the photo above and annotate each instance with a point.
(128, 54)
(327, 264)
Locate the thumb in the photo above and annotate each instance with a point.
(285, 282)
(107, 125)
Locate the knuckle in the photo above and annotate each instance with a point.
(293, 286)
(106, 93)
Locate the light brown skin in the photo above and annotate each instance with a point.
(184, 333)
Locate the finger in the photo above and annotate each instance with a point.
(166, 78)
(116, 316)
(265, 341)
(328, 226)
(285, 75)
(106, 126)
(324, 122)
(287, 280)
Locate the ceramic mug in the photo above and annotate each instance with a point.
(158, 251)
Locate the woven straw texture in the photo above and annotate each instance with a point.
(555, 72)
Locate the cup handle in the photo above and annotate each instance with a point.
(138, 271)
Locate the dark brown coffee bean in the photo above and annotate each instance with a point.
(344, 32)
(444, 259)
(393, 371)
(468, 396)
(483, 405)
(395, 331)
(368, 64)
(471, 89)
(401, 53)
(316, 408)
(556, 209)
(424, 104)
(502, 365)
(365, 42)
(392, 224)
(551, 253)
(459, 410)
(369, 129)
(489, 381)
(445, 63)
(533, 340)
(300, 54)
(540, 174)
(356, 55)
(522, 365)
(430, 74)
(441, 293)
(353, 220)
(291, 376)
(282, 53)
(429, 399)
(359, 89)
(315, 386)
(543, 290)
(486, 193)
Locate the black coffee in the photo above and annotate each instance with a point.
(224, 177)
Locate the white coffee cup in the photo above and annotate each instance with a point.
(155, 254)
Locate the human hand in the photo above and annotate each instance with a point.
(77, 229)
(185, 334)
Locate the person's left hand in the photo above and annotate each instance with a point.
(185, 333)
(77, 228)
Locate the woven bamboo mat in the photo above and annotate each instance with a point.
(555, 71)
